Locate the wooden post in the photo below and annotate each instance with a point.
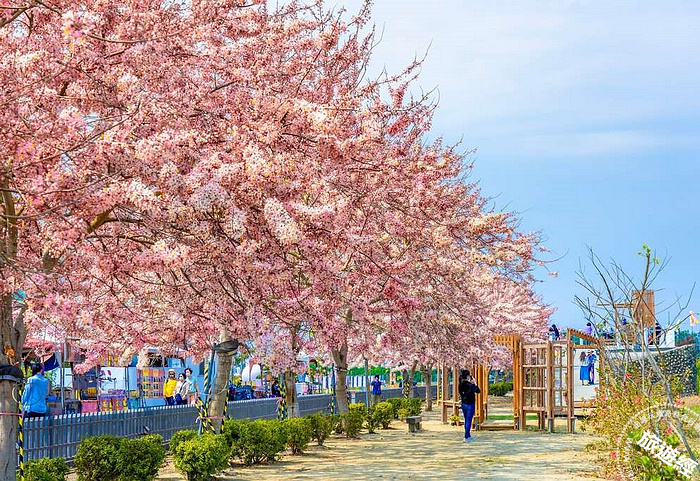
(549, 379)
(521, 374)
(516, 349)
(456, 399)
(570, 386)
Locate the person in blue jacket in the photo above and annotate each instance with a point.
(34, 394)
(376, 391)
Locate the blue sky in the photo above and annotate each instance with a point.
(585, 116)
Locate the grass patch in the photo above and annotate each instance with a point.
(507, 417)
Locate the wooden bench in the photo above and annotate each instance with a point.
(414, 423)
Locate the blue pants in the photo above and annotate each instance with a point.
(468, 411)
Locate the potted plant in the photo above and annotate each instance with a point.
(455, 420)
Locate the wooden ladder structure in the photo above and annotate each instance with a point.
(543, 384)
(547, 383)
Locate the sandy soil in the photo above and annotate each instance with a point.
(436, 453)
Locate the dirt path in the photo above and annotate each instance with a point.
(436, 453)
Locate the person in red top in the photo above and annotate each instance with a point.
(467, 391)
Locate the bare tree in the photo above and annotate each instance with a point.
(619, 307)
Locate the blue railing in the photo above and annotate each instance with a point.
(59, 436)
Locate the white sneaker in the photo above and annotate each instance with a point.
(465, 440)
(469, 440)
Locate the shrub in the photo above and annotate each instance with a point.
(96, 458)
(395, 406)
(648, 467)
(403, 414)
(358, 407)
(299, 432)
(500, 388)
(233, 429)
(412, 406)
(384, 414)
(46, 469)
(260, 441)
(200, 457)
(180, 436)
(140, 459)
(337, 423)
(352, 422)
(619, 399)
(321, 427)
(371, 421)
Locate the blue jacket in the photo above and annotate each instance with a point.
(34, 395)
(376, 387)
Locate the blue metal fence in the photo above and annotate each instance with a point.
(59, 436)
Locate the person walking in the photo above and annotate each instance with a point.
(584, 371)
(591, 359)
(376, 391)
(169, 388)
(34, 394)
(182, 388)
(467, 391)
(193, 393)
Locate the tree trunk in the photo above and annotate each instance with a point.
(290, 394)
(12, 335)
(219, 397)
(428, 375)
(220, 389)
(8, 432)
(340, 358)
(408, 377)
(406, 382)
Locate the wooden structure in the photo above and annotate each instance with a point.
(543, 383)
(547, 383)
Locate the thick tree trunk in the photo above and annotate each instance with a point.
(220, 389)
(428, 376)
(12, 335)
(408, 377)
(8, 431)
(290, 393)
(219, 398)
(340, 358)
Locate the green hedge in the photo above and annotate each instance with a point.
(352, 422)
(358, 407)
(412, 405)
(233, 430)
(396, 403)
(109, 458)
(337, 423)
(180, 436)
(371, 420)
(384, 414)
(321, 427)
(407, 406)
(260, 441)
(46, 469)
(299, 433)
(500, 388)
(96, 458)
(201, 457)
(140, 459)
